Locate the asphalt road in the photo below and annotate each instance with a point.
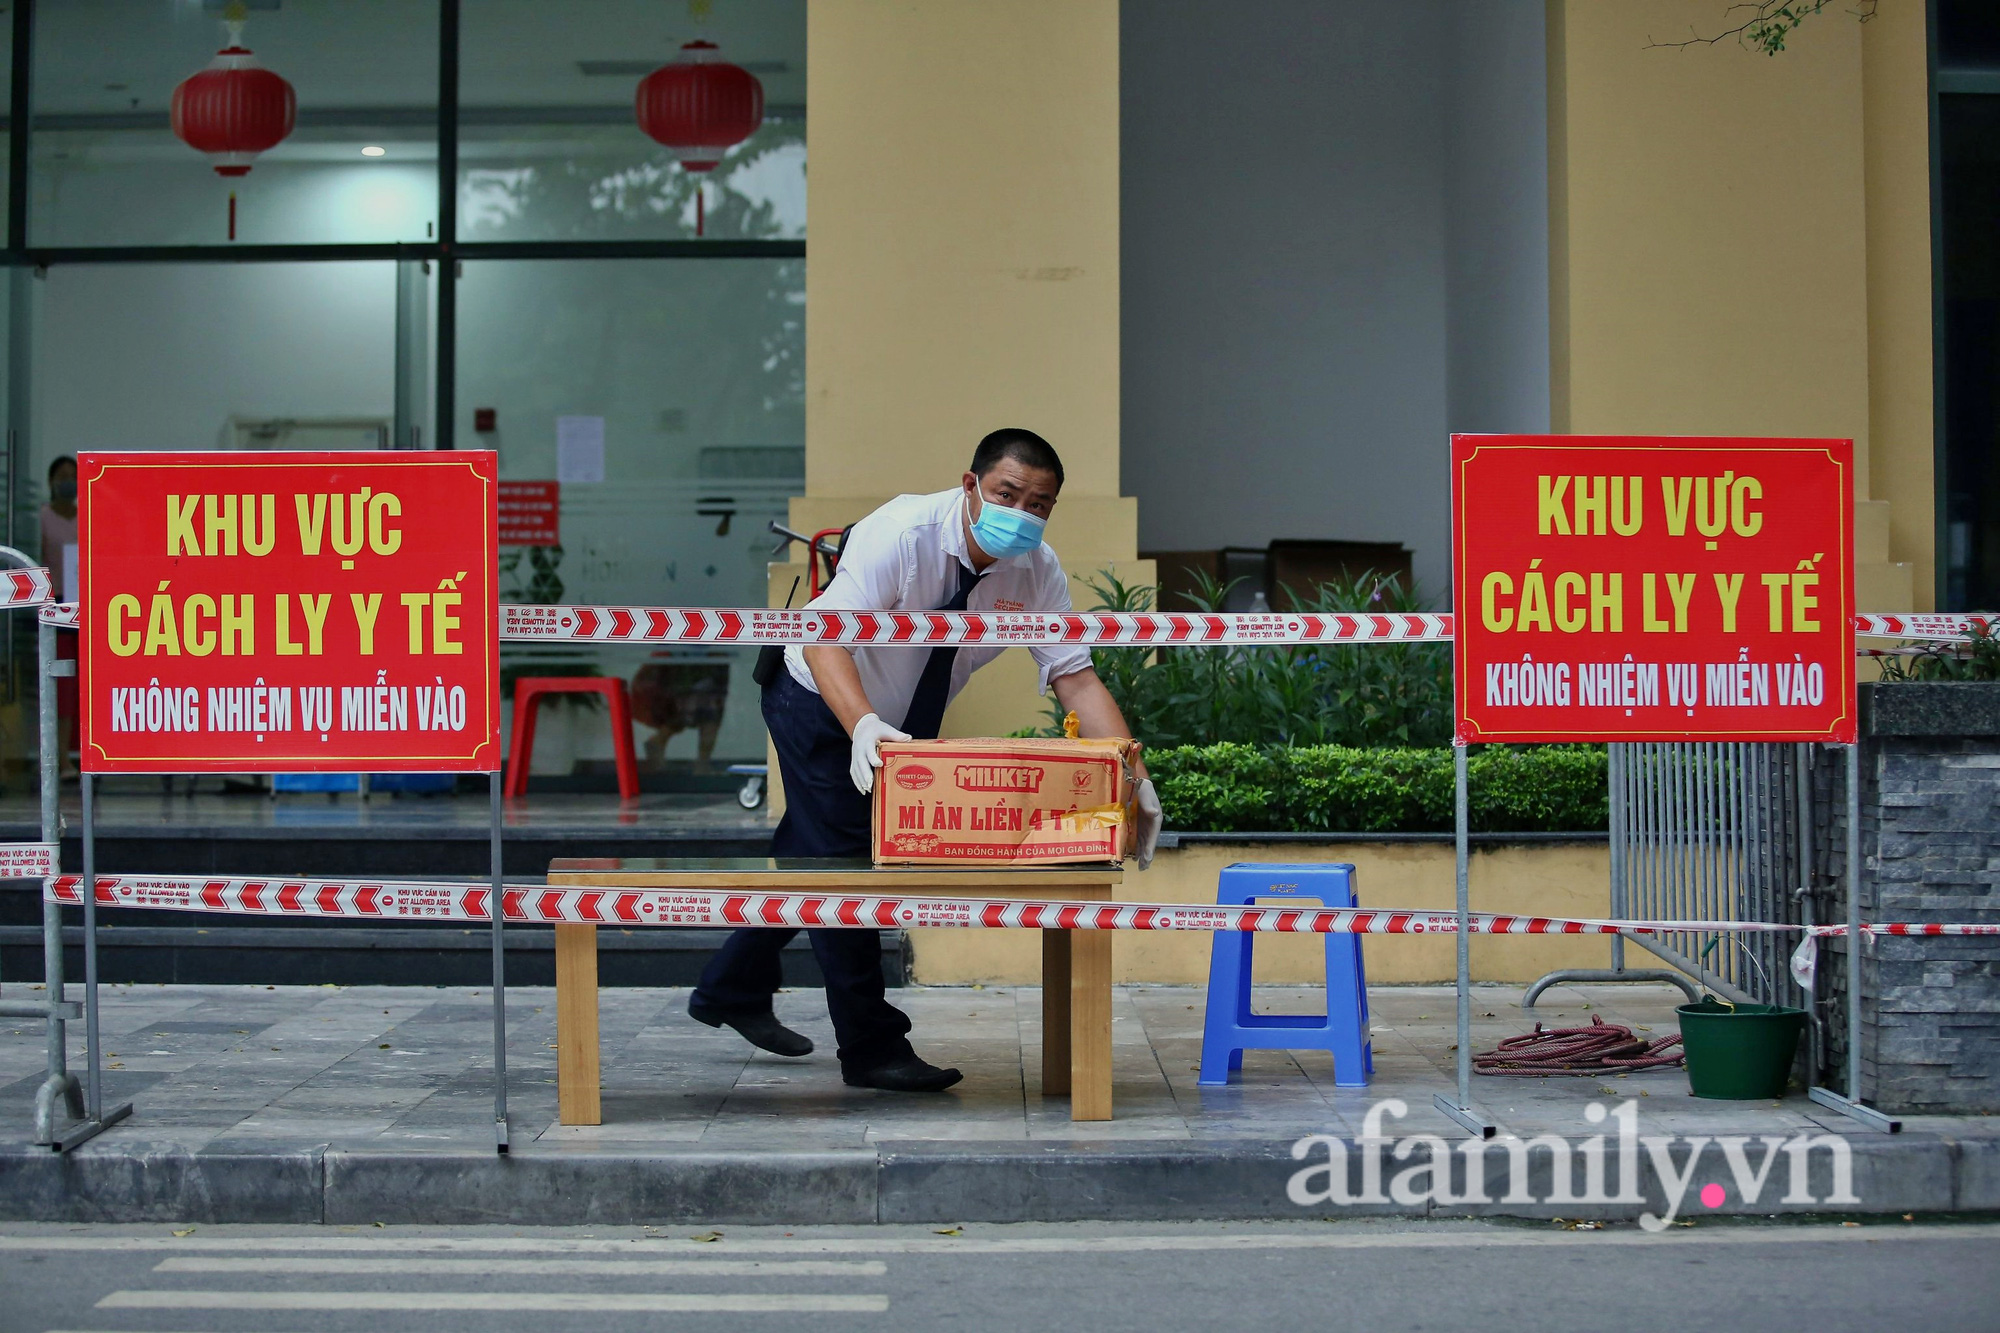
(1382, 1277)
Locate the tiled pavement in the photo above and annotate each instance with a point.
(253, 1069)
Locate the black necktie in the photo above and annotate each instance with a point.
(926, 713)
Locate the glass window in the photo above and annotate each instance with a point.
(1969, 164)
(213, 356)
(677, 382)
(1968, 34)
(199, 356)
(549, 143)
(6, 82)
(358, 166)
(666, 399)
(20, 512)
(19, 523)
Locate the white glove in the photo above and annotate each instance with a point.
(870, 732)
(1150, 818)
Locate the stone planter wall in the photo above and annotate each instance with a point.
(1930, 841)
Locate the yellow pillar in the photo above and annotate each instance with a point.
(1727, 234)
(1895, 107)
(962, 270)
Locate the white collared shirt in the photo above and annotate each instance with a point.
(905, 557)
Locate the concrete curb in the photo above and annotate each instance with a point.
(571, 1188)
(942, 1181)
(172, 1185)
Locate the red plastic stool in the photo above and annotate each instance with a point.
(528, 692)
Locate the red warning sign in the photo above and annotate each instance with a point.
(1623, 589)
(530, 513)
(289, 612)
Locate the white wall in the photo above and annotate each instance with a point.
(1334, 254)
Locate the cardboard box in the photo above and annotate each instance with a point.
(1014, 802)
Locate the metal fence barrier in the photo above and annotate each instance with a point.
(60, 1090)
(1705, 831)
(1710, 831)
(1714, 831)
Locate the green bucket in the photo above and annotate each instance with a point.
(1740, 1053)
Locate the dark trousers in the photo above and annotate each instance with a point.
(824, 816)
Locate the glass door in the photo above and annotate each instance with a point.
(662, 402)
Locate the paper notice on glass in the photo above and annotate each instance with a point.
(580, 450)
(67, 592)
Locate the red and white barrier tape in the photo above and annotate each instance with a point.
(663, 625)
(1936, 628)
(657, 624)
(654, 624)
(539, 904)
(1165, 629)
(24, 587)
(28, 860)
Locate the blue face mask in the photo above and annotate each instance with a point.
(1002, 532)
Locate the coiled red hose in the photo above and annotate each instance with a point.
(1600, 1048)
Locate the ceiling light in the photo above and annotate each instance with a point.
(373, 150)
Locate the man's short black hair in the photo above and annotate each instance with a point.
(1023, 446)
(60, 460)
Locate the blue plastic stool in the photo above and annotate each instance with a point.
(1232, 1029)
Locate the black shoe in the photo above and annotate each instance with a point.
(763, 1031)
(910, 1075)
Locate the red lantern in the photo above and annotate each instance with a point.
(701, 107)
(234, 110)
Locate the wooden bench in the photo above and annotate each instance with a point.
(1076, 965)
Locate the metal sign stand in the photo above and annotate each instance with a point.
(1814, 1020)
(95, 1120)
(1462, 1111)
(60, 1085)
(98, 1120)
(1617, 757)
(85, 1105)
(1850, 1103)
(497, 913)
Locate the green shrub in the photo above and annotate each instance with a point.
(1234, 788)
(1227, 787)
(1539, 789)
(1300, 694)
(1339, 788)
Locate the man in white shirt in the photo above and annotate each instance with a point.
(978, 548)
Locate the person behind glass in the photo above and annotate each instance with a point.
(59, 554)
(976, 547)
